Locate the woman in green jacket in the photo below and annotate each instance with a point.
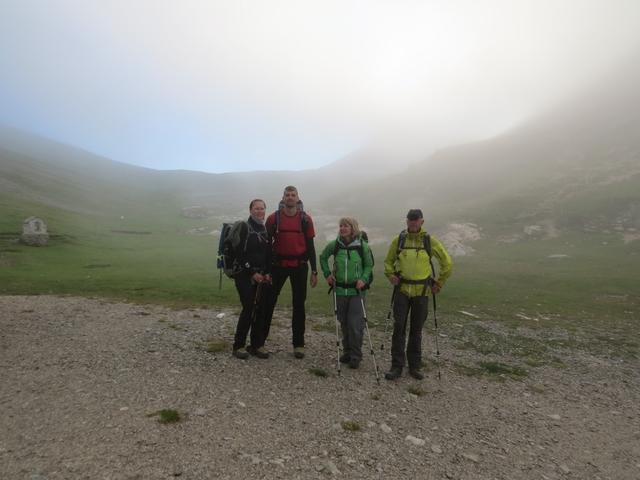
(352, 265)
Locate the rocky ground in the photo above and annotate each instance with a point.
(82, 379)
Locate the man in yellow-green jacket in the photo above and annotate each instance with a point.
(408, 266)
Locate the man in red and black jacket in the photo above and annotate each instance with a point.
(291, 231)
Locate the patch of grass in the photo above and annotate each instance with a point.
(496, 370)
(318, 372)
(376, 396)
(326, 326)
(97, 265)
(535, 388)
(217, 346)
(350, 426)
(416, 390)
(502, 369)
(167, 415)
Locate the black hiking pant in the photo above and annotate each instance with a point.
(298, 279)
(254, 299)
(414, 310)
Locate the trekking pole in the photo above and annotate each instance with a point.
(386, 326)
(435, 321)
(256, 300)
(366, 326)
(335, 311)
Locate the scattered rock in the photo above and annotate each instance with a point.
(34, 232)
(436, 449)
(333, 469)
(220, 315)
(564, 469)
(554, 416)
(472, 457)
(385, 428)
(418, 442)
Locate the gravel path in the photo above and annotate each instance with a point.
(80, 378)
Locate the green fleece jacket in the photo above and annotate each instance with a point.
(348, 266)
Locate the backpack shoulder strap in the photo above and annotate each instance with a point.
(402, 238)
(426, 239)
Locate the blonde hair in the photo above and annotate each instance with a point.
(353, 223)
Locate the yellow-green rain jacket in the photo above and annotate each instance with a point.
(412, 263)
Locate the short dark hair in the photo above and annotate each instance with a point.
(414, 214)
(290, 188)
(257, 200)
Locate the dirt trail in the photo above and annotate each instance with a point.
(79, 377)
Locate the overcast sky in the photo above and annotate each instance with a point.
(252, 85)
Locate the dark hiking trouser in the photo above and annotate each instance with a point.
(298, 278)
(351, 319)
(414, 309)
(252, 314)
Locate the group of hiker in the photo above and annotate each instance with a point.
(266, 251)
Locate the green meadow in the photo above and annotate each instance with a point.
(150, 259)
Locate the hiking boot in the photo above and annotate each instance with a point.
(394, 373)
(260, 352)
(354, 363)
(298, 352)
(345, 358)
(416, 373)
(240, 353)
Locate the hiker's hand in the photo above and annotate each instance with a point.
(395, 280)
(331, 280)
(267, 278)
(436, 287)
(313, 280)
(258, 278)
(360, 284)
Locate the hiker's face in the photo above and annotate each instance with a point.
(258, 210)
(290, 198)
(345, 230)
(413, 226)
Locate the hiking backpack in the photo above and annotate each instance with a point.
(232, 235)
(304, 220)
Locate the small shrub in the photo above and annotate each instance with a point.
(318, 372)
(217, 346)
(416, 390)
(350, 426)
(167, 415)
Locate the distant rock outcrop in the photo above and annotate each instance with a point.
(196, 211)
(457, 237)
(34, 232)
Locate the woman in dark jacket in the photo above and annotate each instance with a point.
(253, 259)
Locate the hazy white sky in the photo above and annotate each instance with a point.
(244, 85)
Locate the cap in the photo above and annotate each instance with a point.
(414, 214)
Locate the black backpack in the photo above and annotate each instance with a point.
(232, 235)
(360, 249)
